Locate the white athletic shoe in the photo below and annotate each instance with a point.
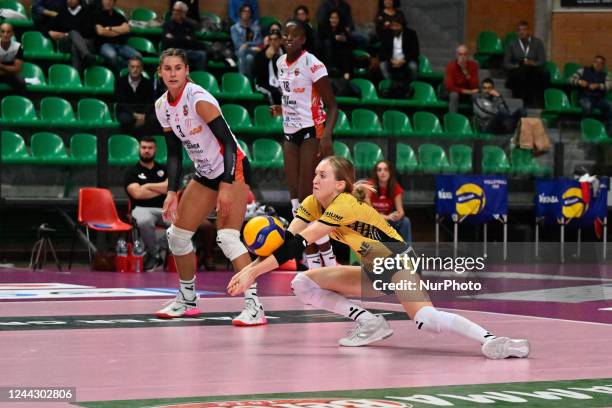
(367, 332)
(179, 307)
(504, 347)
(252, 315)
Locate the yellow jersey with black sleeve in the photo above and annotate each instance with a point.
(358, 225)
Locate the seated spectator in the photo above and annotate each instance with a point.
(11, 59)
(146, 185)
(112, 30)
(43, 11)
(235, 8)
(275, 26)
(266, 72)
(135, 100)
(524, 61)
(193, 6)
(593, 83)
(302, 14)
(73, 30)
(460, 79)
(180, 32)
(336, 45)
(399, 53)
(387, 199)
(491, 111)
(246, 36)
(346, 15)
(388, 12)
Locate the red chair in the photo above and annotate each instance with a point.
(97, 211)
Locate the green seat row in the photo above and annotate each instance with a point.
(234, 86)
(20, 8)
(556, 78)
(593, 131)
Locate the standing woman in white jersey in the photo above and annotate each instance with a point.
(191, 116)
(306, 89)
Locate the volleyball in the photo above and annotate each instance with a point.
(573, 204)
(470, 199)
(263, 235)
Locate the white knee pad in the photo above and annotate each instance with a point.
(429, 319)
(229, 242)
(323, 240)
(305, 289)
(179, 240)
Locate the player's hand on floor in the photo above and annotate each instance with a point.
(240, 282)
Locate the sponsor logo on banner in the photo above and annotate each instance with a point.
(295, 403)
(546, 199)
(445, 195)
(470, 199)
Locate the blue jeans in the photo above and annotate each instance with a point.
(246, 58)
(403, 228)
(117, 55)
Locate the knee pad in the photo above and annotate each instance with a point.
(429, 319)
(323, 240)
(304, 288)
(179, 240)
(229, 242)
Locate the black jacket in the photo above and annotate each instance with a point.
(410, 45)
(141, 101)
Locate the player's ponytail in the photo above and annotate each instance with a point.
(345, 171)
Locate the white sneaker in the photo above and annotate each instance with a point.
(252, 315)
(179, 307)
(504, 347)
(367, 332)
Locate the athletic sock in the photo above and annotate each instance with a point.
(251, 294)
(431, 319)
(313, 260)
(295, 203)
(329, 258)
(187, 289)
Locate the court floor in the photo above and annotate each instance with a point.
(95, 331)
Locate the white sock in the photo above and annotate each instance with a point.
(309, 292)
(329, 258)
(187, 289)
(295, 203)
(313, 261)
(251, 293)
(433, 320)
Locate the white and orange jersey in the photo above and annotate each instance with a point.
(302, 105)
(203, 147)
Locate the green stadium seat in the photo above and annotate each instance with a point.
(84, 149)
(267, 154)
(237, 117)
(425, 96)
(511, 36)
(593, 131)
(14, 150)
(427, 73)
(487, 44)
(212, 35)
(457, 126)
(366, 155)
(161, 149)
(384, 86)
(397, 124)
(17, 23)
(405, 160)
(556, 104)
(145, 74)
(206, 80)
(56, 111)
(342, 150)
(38, 47)
(433, 159)
(64, 78)
(18, 110)
(570, 69)
(265, 123)
(245, 148)
(368, 92)
(555, 74)
(523, 163)
(146, 48)
(494, 160)
(93, 112)
(48, 149)
(365, 123)
(31, 71)
(426, 124)
(235, 86)
(460, 158)
(266, 21)
(122, 150)
(342, 127)
(99, 80)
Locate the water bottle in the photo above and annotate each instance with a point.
(138, 255)
(121, 258)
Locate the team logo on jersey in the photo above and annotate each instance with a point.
(333, 216)
(299, 90)
(297, 72)
(316, 67)
(195, 131)
(185, 110)
(160, 173)
(176, 117)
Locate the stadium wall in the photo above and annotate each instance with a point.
(578, 36)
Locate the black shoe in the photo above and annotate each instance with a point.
(151, 263)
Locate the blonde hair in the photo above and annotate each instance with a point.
(173, 52)
(345, 171)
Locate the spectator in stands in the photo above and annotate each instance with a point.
(399, 53)
(246, 36)
(388, 12)
(235, 9)
(180, 32)
(112, 30)
(43, 11)
(346, 15)
(11, 59)
(593, 82)
(302, 14)
(336, 45)
(193, 11)
(73, 30)
(135, 99)
(460, 79)
(387, 199)
(146, 185)
(491, 111)
(266, 72)
(524, 61)
(274, 27)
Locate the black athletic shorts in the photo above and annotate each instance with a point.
(243, 173)
(313, 132)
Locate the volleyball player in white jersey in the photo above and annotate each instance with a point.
(191, 116)
(308, 129)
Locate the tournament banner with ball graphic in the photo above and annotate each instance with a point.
(472, 199)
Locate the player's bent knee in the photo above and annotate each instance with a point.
(179, 240)
(429, 319)
(304, 288)
(230, 243)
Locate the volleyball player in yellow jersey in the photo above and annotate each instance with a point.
(335, 211)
